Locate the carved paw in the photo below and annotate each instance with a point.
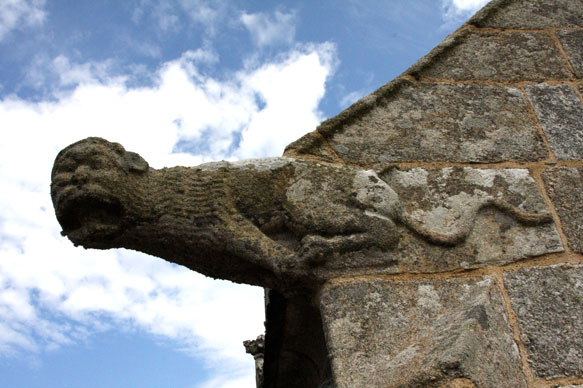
(317, 249)
(314, 249)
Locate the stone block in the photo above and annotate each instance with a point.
(475, 55)
(565, 188)
(530, 14)
(456, 199)
(452, 218)
(547, 301)
(572, 41)
(419, 333)
(560, 113)
(440, 122)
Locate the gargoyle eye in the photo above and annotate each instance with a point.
(118, 149)
(134, 162)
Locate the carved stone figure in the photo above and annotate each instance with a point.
(256, 348)
(427, 236)
(267, 222)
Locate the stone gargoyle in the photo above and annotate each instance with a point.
(266, 222)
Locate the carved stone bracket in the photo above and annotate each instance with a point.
(284, 223)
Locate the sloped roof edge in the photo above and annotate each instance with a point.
(454, 38)
(486, 12)
(305, 145)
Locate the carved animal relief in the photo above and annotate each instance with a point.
(277, 222)
(391, 259)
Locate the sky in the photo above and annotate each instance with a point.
(181, 83)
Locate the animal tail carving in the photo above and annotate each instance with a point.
(463, 231)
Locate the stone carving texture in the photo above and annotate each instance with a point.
(256, 348)
(419, 333)
(559, 111)
(565, 187)
(453, 199)
(368, 198)
(283, 223)
(264, 222)
(442, 122)
(572, 41)
(547, 301)
(498, 56)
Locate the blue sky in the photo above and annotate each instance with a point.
(180, 82)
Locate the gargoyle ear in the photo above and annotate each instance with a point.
(134, 163)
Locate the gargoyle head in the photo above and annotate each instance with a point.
(93, 188)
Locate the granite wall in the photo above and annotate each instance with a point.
(496, 110)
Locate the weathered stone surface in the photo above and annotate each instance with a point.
(306, 230)
(560, 113)
(530, 14)
(450, 219)
(565, 187)
(256, 348)
(469, 211)
(283, 223)
(419, 333)
(497, 56)
(460, 199)
(438, 122)
(264, 222)
(572, 41)
(547, 301)
(460, 383)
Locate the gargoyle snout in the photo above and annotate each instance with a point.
(86, 178)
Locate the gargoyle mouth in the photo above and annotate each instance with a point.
(89, 219)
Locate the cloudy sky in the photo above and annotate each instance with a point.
(180, 82)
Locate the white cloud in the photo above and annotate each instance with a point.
(170, 15)
(71, 74)
(254, 113)
(56, 75)
(163, 12)
(205, 12)
(457, 11)
(20, 13)
(269, 30)
(291, 94)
